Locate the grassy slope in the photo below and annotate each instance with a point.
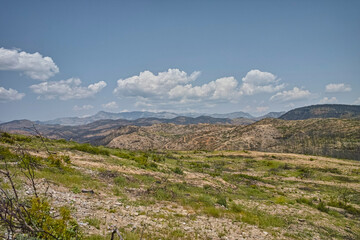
(200, 194)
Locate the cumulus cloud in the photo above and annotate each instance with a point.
(33, 65)
(291, 95)
(222, 88)
(110, 105)
(256, 81)
(83, 107)
(328, 100)
(147, 84)
(177, 87)
(66, 89)
(337, 87)
(8, 95)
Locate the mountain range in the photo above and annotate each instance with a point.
(73, 121)
(332, 130)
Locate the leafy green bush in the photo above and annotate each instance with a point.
(91, 149)
(95, 222)
(63, 227)
(178, 170)
(222, 201)
(6, 138)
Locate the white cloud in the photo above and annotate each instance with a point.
(146, 84)
(290, 95)
(66, 89)
(33, 65)
(357, 101)
(256, 81)
(176, 87)
(10, 95)
(222, 88)
(83, 107)
(110, 105)
(337, 87)
(328, 100)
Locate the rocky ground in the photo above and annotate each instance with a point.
(202, 194)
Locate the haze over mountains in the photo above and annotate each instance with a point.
(134, 115)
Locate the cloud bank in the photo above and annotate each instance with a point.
(66, 89)
(291, 95)
(110, 105)
(83, 107)
(328, 100)
(8, 95)
(33, 65)
(337, 87)
(175, 86)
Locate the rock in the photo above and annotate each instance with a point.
(87, 191)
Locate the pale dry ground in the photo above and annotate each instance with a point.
(165, 217)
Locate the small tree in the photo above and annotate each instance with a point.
(29, 216)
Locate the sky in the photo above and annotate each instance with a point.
(75, 58)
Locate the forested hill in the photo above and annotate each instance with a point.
(323, 111)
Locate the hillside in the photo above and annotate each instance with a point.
(190, 194)
(94, 131)
(330, 137)
(323, 111)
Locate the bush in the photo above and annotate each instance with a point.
(178, 170)
(32, 217)
(222, 201)
(86, 147)
(64, 227)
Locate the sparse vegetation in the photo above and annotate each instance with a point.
(188, 194)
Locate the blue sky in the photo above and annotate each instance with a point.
(75, 58)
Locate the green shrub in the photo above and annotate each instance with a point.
(6, 138)
(91, 149)
(66, 159)
(237, 208)
(95, 222)
(120, 181)
(63, 227)
(178, 170)
(340, 204)
(157, 158)
(222, 201)
(322, 207)
(213, 211)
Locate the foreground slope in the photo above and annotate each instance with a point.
(199, 194)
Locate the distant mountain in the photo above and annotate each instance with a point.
(18, 126)
(231, 115)
(270, 115)
(323, 111)
(95, 130)
(74, 121)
